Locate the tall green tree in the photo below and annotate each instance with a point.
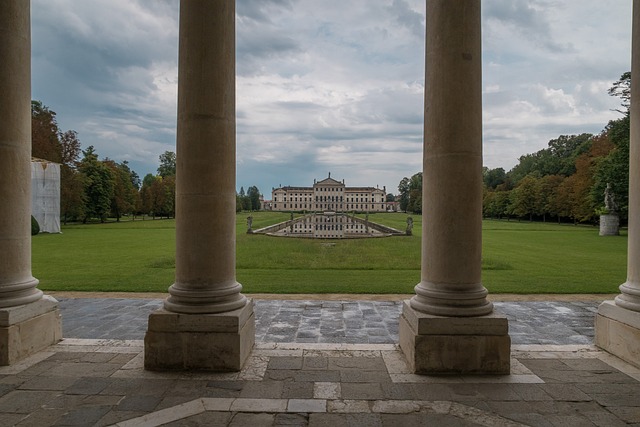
(253, 194)
(98, 181)
(403, 194)
(167, 164)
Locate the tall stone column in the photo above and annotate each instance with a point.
(618, 322)
(436, 333)
(29, 321)
(206, 322)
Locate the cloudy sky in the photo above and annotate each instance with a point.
(327, 85)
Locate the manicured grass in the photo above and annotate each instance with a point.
(519, 257)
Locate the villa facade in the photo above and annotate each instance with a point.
(329, 195)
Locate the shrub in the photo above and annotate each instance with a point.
(35, 227)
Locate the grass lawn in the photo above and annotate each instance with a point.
(519, 257)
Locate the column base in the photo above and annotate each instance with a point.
(218, 342)
(455, 345)
(618, 332)
(28, 329)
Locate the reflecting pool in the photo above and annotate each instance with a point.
(329, 225)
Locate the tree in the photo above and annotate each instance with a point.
(415, 193)
(124, 196)
(253, 194)
(493, 177)
(44, 133)
(614, 168)
(622, 89)
(98, 185)
(390, 198)
(403, 190)
(167, 164)
(524, 197)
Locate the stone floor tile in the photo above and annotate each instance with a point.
(217, 404)
(395, 406)
(303, 375)
(346, 406)
(366, 391)
(143, 403)
(41, 417)
(25, 402)
(397, 391)
(262, 389)
(87, 386)
(309, 363)
(84, 416)
(411, 420)
(102, 400)
(293, 420)
(297, 390)
(253, 420)
(47, 383)
(530, 392)
(203, 419)
(326, 390)
(431, 391)
(565, 392)
(259, 405)
(64, 401)
(285, 363)
(81, 369)
(345, 420)
(358, 376)
(307, 405)
(365, 364)
(575, 420)
(625, 413)
(532, 420)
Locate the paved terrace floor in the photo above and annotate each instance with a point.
(320, 363)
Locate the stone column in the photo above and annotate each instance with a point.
(29, 321)
(618, 322)
(206, 322)
(436, 334)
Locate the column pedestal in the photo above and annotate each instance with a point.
(455, 345)
(609, 225)
(209, 342)
(28, 329)
(618, 332)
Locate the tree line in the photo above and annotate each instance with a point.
(565, 181)
(94, 189)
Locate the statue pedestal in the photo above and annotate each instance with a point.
(609, 225)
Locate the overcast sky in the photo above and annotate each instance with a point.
(327, 85)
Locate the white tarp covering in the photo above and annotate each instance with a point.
(45, 195)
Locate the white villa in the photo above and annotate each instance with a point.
(329, 195)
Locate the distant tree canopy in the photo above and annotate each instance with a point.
(565, 181)
(410, 193)
(249, 201)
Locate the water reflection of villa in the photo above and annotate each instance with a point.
(329, 195)
(329, 226)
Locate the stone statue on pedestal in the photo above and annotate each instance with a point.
(610, 221)
(249, 224)
(409, 231)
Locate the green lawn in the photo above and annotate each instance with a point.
(519, 257)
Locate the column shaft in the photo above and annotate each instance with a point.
(206, 161)
(17, 285)
(630, 297)
(452, 164)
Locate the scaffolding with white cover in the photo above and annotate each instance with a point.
(45, 194)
